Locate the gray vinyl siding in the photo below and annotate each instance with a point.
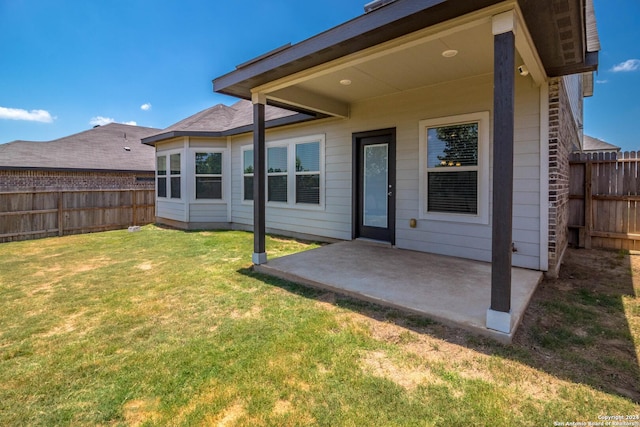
(208, 212)
(404, 112)
(171, 210)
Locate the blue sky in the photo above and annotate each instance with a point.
(69, 64)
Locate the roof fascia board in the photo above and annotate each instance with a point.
(590, 64)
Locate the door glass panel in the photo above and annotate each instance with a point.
(376, 185)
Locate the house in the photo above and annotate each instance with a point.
(109, 156)
(436, 126)
(595, 145)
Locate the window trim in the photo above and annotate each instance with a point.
(192, 158)
(291, 174)
(167, 154)
(482, 216)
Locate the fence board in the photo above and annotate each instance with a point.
(604, 200)
(35, 214)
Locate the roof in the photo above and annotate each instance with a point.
(565, 36)
(591, 144)
(222, 120)
(112, 147)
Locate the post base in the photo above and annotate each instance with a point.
(499, 321)
(259, 258)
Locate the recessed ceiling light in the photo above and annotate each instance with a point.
(450, 53)
(345, 82)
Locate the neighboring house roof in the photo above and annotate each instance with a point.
(591, 144)
(565, 38)
(112, 147)
(222, 120)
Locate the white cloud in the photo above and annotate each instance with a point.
(101, 121)
(31, 116)
(628, 65)
(146, 107)
(602, 81)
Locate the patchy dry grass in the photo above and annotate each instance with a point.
(163, 327)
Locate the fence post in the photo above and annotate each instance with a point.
(588, 202)
(60, 214)
(133, 206)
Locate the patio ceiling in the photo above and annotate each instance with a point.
(413, 64)
(403, 64)
(400, 46)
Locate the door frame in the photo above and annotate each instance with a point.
(356, 180)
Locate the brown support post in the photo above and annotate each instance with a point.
(498, 316)
(259, 180)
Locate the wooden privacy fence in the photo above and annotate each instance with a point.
(604, 200)
(35, 214)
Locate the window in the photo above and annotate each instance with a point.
(168, 176)
(308, 173)
(161, 167)
(247, 172)
(294, 171)
(174, 169)
(208, 175)
(277, 160)
(454, 165)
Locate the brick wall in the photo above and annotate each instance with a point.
(563, 134)
(21, 180)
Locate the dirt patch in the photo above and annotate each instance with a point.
(282, 407)
(230, 415)
(140, 411)
(377, 363)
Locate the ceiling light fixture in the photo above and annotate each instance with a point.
(345, 82)
(450, 53)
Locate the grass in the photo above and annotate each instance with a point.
(163, 327)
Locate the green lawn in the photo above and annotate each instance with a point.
(164, 327)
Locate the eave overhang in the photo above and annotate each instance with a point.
(282, 121)
(548, 21)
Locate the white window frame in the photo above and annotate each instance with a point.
(223, 175)
(482, 215)
(167, 154)
(291, 174)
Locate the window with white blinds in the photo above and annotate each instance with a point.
(454, 168)
(295, 172)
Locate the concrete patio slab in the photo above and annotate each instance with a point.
(453, 291)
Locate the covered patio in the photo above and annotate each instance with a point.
(453, 291)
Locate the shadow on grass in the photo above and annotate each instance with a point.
(575, 327)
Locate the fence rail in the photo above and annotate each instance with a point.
(35, 214)
(604, 200)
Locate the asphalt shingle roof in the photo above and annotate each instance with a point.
(221, 118)
(100, 148)
(590, 143)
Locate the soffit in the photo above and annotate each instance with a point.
(417, 65)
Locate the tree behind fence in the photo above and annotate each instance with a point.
(35, 214)
(604, 201)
